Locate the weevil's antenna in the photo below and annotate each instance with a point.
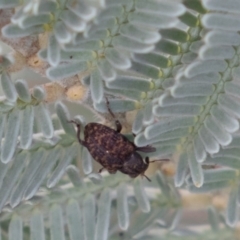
(160, 160)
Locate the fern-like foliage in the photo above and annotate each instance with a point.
(173, 64)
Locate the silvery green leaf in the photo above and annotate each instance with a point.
(162, 182)
(209, 78)
(3, 119)
(168, 100)
(199, 149)
(160, 127)
(70, 154)
(13, 31)
(210, 144)
(215, 5)
(138, 122)
(140, 194)
(74, 220)
(15, 230)
(223, 21)
(153, 58)
(83, 9)
(96, 86)
(22, 90)
(230, 104)
(86, 161)
(103, 216)
(228, 161)
(168, 47)
(192, 89)
(175, 34)
(161, 7)
(34, 20)
(26, 126)
(178, 110)
(44, 120)
(131, 45)
(117, 59)
(124, 93)
(148, 117)
(224, 119)
(62, 33)
(131, 83)
(228, 152)
(202, 67)
(47, 6)
(84, 45)
(72, 21)
(39, 93)
(37, 158)
(8, 87)
(232, 88)
(116, 105)
(76, 55)
(3, 170)
(122, 207)
(181, 170)
(96, 178)
(74, 176)
(53, 51)
(140, 35)
(232, 208)
(56, 223)
(116, 11)
(218, 132)
(152, 20)
(6, 106)
(209, 187)
(64, 118)
(37, 231)
(9, 181)
(217, 37)
(8, 3)
(147, 70)
(218, 175)
(11, 135)
(217, 52)
(110, 23)
(42, 54)
(166, 139)
(65, 70)
(89, 210)
(106, 70)
(42, 172)
(163, 151)
(190, 19)
(213, 218)
(195, 168)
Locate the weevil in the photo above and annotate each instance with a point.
(112, 149)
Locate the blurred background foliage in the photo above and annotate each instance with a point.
(170, 70)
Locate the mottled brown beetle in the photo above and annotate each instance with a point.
(112, 149)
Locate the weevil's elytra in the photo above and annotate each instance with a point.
(112, 149)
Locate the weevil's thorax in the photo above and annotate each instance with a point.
(134, 165)
(106, 145)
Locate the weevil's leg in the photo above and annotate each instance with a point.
(161, 160)
(146, 149)
(100, 170)
(78, 133)
(117, 123)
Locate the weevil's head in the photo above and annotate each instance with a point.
(135, 166)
